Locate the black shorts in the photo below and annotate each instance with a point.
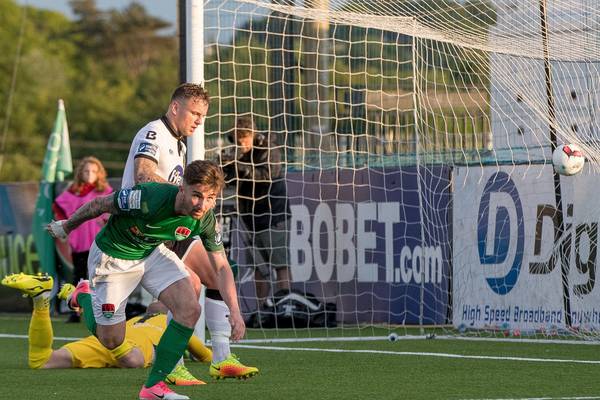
(180, 247)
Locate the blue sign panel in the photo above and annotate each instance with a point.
(375, 241)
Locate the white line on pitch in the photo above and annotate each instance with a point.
(60, 338)
(414, 353)
(400, 353)
(592, 341)
(276, 340)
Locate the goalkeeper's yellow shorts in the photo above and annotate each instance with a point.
(90, 353)
(142, 332)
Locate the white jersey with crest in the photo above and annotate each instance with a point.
(156, 141)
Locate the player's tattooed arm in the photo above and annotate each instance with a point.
(144, 170)
(91, 210)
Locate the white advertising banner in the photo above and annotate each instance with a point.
(506, 261)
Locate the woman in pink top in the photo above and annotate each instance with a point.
(89, 183)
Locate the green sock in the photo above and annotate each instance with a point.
(170, 348)
(85, 303)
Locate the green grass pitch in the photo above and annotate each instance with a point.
(406, 369)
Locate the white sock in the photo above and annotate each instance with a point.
(42, 301)
(217, 321)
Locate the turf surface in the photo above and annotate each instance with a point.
(412, 369)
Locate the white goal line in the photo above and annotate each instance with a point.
(371, 339)
(420, 354)
(243, 344)
(419, 337)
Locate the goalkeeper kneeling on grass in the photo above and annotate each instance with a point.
(143, 332)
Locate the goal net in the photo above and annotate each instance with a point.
(415, 142)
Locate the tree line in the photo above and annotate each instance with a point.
(115, 70)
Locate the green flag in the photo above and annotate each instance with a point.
(64, 166)
(57, 164)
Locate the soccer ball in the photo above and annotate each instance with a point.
(568, 159)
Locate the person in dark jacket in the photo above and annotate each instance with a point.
(257, 172)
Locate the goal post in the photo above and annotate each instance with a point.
(191, 69)
(416, 145)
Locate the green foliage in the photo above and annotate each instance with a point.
(114, 69)
(42, 72)
(247, 74)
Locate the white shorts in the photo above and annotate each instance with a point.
(112, 280)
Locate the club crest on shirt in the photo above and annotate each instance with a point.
(182, 232)
(108, 310)
(135, 230)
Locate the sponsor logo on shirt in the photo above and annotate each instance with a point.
(182, 232)
(148, 148)
(108, 310)
(176, 175)
(129, 199)
(140, 237)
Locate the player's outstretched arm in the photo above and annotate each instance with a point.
(226, 287)
(91, 210)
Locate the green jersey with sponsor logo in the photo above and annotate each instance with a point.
(146, 218)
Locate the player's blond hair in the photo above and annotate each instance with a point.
(190, 91)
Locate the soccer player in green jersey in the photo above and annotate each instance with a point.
(158, 154)
(129, 250)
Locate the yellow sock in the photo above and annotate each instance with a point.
(40, 333)
(199, 350)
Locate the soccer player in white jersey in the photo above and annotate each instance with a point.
(158, 154)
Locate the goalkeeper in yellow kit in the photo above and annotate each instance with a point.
(142, 332)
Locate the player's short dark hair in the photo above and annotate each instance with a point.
(206, 173)
(244, 126)
(190, 91)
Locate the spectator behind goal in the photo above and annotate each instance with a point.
(257, 173)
